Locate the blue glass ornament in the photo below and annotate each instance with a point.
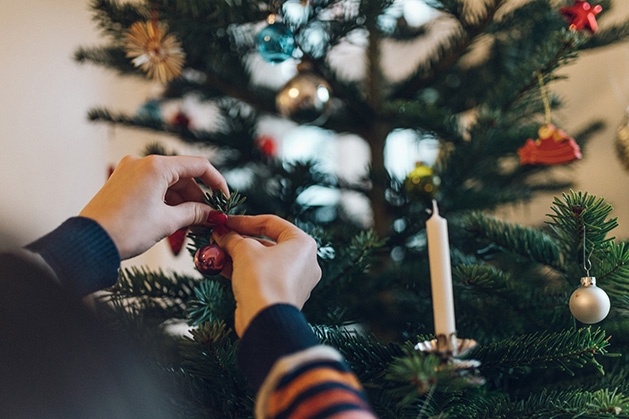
(275, 43)
(150, 110)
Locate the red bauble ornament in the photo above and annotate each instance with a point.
(581, 15)
(181, 120)
(267, 146)
(177, 239)
(210, 259)
(553, 146)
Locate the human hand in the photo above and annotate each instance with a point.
(146, 199)
(279, 268)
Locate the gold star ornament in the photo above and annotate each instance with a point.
(152, 50)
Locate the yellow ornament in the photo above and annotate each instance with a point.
(421, 182)
(622, 144)
(153, 51)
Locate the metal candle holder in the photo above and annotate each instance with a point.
(449, 349)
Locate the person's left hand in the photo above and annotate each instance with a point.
(272, 262)
(149, 198)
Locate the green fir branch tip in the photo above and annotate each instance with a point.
(221, 202)
(525, 241)
(565, 350)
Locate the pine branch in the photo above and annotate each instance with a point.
(565, 404)
(366, 355)
(152, 294)
(607, 36)
(210, 356)
(564, 350)
(449, 56)
(580, 214)
(221, 202)
(143, 282)
(526, 241)
(113, 58)
(557, 50)
(114, 17)
(214, 302)
(356, 256)
(416, 373)
(234, 143)
(612, 269)
(525, 300)
(340, 274)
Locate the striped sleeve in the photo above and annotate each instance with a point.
(294, 375)
(314, 384)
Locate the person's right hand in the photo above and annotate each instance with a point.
(273, 262)
(146, 199)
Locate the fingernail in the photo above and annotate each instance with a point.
(220, 230)
(217, 217)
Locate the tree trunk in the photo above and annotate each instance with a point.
(376, 136)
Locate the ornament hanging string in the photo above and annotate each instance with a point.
(587, 263)
(545, 100)
(589, 304)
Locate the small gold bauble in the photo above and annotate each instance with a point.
(622, 145)
(422, 183)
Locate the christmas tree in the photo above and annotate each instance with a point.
(476, 93)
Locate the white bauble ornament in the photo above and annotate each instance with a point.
(589, 304)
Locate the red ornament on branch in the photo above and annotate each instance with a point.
(581, 15)
(210, 259)
(267, 146)
(553, 146)
(181, 120)
(177, 239)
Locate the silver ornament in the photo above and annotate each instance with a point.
(589, 303)
(305, 99)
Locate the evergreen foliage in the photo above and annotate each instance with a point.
(477, 90)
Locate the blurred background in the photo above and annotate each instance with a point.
(53, 160)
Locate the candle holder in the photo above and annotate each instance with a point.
(449, 348)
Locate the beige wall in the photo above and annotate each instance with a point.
(597, 88)
(53, 160)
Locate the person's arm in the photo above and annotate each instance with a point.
(81, 254)
(60, 361)
(293, 375)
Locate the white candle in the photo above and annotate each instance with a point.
(440, 273)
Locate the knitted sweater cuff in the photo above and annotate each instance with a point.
(81, 254)
(276, 331)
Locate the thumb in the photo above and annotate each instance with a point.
(228, 240)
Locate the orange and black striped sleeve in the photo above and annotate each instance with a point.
(301, 379)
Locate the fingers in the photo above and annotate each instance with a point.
(231, 241)
(183, 193)
(270, 226)
(188, 167)
(190, 213)
(242, 228)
